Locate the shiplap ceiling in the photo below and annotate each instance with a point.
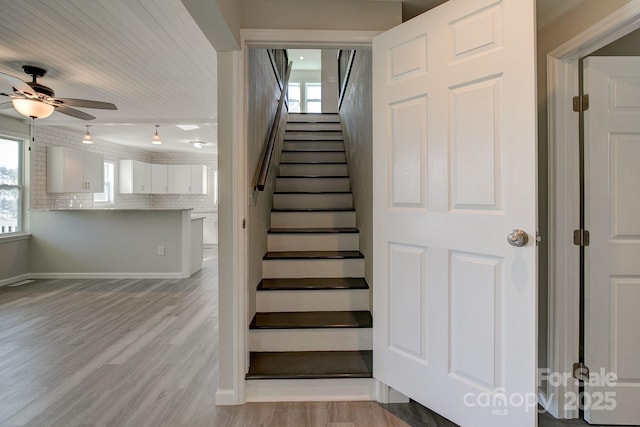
(146, 56)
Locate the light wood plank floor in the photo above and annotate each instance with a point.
(141, 353)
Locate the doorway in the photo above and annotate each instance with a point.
(563, 72)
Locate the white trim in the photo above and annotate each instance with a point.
(307, 38)
(386, 394)
(225, 397)
(562, 77)
(12, 237)
(115, 275)
(313, 390)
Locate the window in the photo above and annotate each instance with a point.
(293, 97)
(11, 188)
(107, 195)
(313, 97)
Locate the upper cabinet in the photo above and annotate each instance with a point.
(74, 171)
(188, 179)
(135, 177)
(159, 179)
(139, 177)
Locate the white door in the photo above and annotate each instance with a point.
(612, 216)
(454, 160)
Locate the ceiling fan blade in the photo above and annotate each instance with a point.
(84, 103)
(73, 112)
(17, 83)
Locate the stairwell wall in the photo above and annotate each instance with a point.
(263, 93)
(355, 116)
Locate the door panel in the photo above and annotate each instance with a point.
(454, 113)
(612, 216)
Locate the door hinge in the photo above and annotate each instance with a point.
(538, 238)
(581, 237)
(244, 223)
(580, 103)
(580, 371)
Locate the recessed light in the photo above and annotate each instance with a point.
(188, 127)
(302, 57)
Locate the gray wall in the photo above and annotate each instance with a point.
(329, 80)
(355, 114)
(14, 260)
(263, 94)
(111, 242)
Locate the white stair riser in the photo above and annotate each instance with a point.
(314, 145)
(313, 219)
(300, 268)
(313, 126)
(339, 169)
(313, 157)
(313, 136)
(325, 339)
(313, 201)
(313, 242)
(313, 184)
(312, 390)
(293, 117)
(325, 300)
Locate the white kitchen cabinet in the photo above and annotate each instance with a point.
(159, 179)
(135, 177)
(74, 171)
(198, 179)
(179, 179)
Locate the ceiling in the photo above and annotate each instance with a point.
(148, 58)
(305, 59)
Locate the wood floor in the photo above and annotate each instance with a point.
(142, 353)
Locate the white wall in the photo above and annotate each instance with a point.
(355, 115)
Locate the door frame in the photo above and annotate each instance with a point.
(564, 195)
(263, 38)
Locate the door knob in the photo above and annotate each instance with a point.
(517, 238)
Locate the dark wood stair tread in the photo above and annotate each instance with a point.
(313, 230)
(312, 192)
(322, 283)
(313, 255)
(311, 176)
(312, 320)
(314, 210)
(313, 163)
(310, 364)
(313, 151)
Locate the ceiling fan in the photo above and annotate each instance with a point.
(33, 99)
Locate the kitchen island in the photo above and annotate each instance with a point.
(115, 243)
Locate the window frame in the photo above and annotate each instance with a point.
(20, 186)
(110, 186)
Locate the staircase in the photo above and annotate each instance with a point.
(311, 337)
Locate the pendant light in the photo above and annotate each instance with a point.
(156, 138)
(86, 138)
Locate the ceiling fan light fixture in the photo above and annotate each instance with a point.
(86, 138)
(32, 108)
(156, 138)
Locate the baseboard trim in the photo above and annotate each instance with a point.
(320, 390)
(15, 279)
(117, 275)
(226, 397)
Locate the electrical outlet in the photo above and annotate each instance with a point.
(161, 250)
